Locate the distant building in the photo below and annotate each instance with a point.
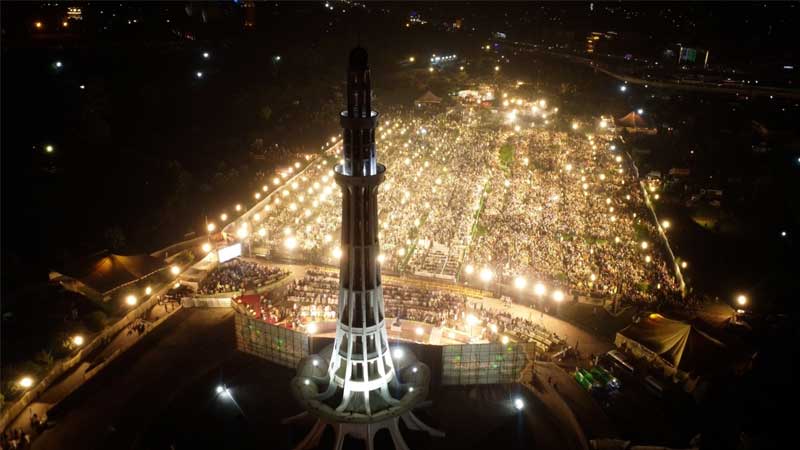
(594, 38)
(695, 57)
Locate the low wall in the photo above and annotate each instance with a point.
(206, 302)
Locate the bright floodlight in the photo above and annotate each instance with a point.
(497, 68)
(241, 232)
(77, 340)
(504, 340)
(486, 274)
(211, 227)
(175, 270)
(469, 269)
(290, 243)
(539, 289)
(623, 88)
(411, 59)
(603, 124)
(48, 148)
(520, 282)
(397, 353)
(337, 253)
(220, 389)
(741, 300)
(148, 290)
(472, 320)
(381, 258)
(25, 382)
(223, 217)
(645, 245)
(419, 331)
(311, 328)
(238, 207)
(684, 264)
(199, 74)
(131, 300)
(558, 296)
(575, 125)
(58, 64)
(206, 55)
(206, 247)
(519, 404)
(665, 224)
(640, 111)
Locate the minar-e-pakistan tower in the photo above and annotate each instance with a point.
(360, 384)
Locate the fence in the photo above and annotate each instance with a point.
(271, 342)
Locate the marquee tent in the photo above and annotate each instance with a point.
(679, 344)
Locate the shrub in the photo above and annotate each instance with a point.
(96, 320)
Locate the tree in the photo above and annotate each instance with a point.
(114, 238)
(266, 113)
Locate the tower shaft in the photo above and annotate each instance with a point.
(361, 363)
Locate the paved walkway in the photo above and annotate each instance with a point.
(73, 379)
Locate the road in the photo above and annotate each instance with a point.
(112, 407)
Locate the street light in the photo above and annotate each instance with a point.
(519, 404)
(25, 382)
(211, 227)
(148, 290)
(486, 274)
(77, 340)
(741, 299)
(131, 300)
(520, 282)
(640, 111)
(206, 247)
(665, 224)
(411, 59)
(49, 148)
(623, 88)
(469, 269)
(175, 270)
(539, 289)
(558, 296)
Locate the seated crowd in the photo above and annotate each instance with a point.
(239, 275)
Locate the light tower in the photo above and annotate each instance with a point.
(360, 384)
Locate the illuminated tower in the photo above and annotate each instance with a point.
(359, 384)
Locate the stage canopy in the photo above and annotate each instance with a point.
(677, 343)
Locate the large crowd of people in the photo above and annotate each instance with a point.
(239, 275)
(481, 194)
(314, 298)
